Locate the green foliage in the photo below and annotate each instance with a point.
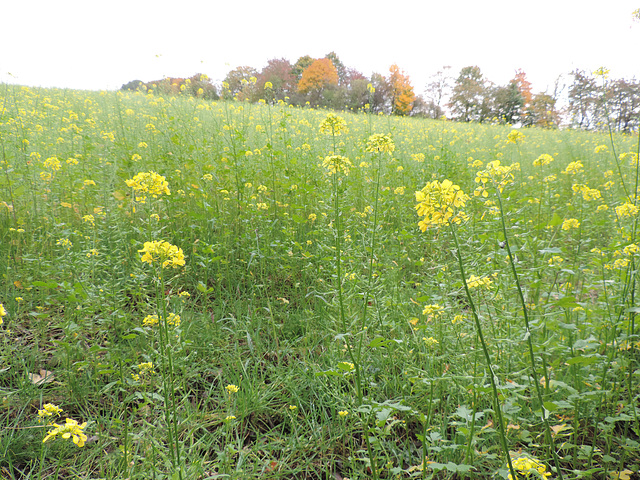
(346, 329)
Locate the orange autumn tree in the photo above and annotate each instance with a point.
(402, 96)
(320, 74)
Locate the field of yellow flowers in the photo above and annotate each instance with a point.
(196, 289)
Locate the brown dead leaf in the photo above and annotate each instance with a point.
(44, 376)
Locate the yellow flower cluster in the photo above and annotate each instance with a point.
(148, 183)
(333, 125)
(501, 175)
(70, 429)
(143, 369)
(436, 203)
(380, 142)
(3, 313)
(573, 167)
(49, 410)
(161, 251)
(515, 136)
(473, 282)
(231, 388)
(433, 309)
(587, 193)
(530, 468)
(542, 160)
(570, 223)
(626, 210)
(337, 164)
(52, 163)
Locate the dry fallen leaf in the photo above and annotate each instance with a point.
(45, 376)
(623, 475)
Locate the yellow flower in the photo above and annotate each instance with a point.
(474, 282)
(231, 388)
(626, 210)
(312, 217)
(333, 125)
(88, 183)
(161, 251)
(436, 203)
(150, 321)
(337, 164)
(601, 148)
(70, 429)
(573, 167)
(65, 242)
(3, 313)
(52, 163)
(49, 410)
(89, 219)
(515, 136)
(570, 223)
(343, 413)
(432, 310)
(430, 342)
(149, 182)
(542, 160)
(379, 142)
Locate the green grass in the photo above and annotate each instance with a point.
(307, 290)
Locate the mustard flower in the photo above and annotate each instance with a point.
(573, 167)
(501, 175)
(343, 413)
(88, 183)
(231, 389)
(312, 217)
(70, 429)
(587, 193)
(473, 282)
(89, 219)
(333, 125)
(380, 142)
(65, 242)
(515, 136)
(49, 410)
(148, 183)
(626, 210)
(542, 160)
(3, 313)
(161, 251)
(430, 342)
(570, 223)
(528, 466)
(52, 163)
(432, 310)
(436, 203)
(150, 321)
(601, 148)
(337, 164)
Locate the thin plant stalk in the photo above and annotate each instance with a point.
(492, 377)
(534, 373)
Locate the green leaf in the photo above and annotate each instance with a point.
(379, 342)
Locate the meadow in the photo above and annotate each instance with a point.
(196, 289)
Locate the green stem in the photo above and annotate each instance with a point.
(492, 377)
(528, 338)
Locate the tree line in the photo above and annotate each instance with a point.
(585, 100)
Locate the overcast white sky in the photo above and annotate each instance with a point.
(95, 44)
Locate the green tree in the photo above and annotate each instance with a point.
(240, 83)
(469, 99)
(508, 103)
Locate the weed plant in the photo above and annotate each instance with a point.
(225, 290)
